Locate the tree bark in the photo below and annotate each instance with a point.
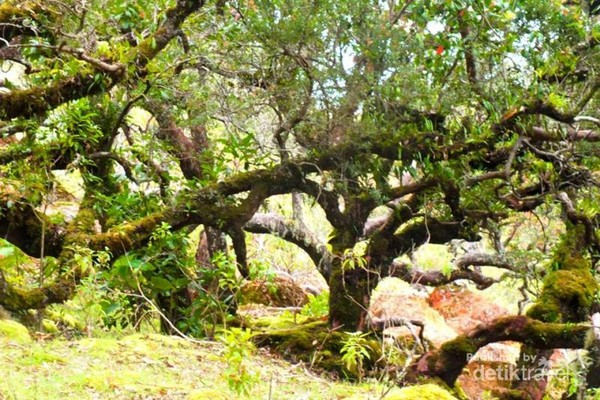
(349, 295)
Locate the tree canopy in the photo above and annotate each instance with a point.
(406, 122)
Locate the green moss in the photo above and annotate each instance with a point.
(314, 343)
(428, 391)
(130, 234)
(547, 312)
(536, 331)
(296, 339)
(567, 296)
(24, 102)
(568, 253)
(9, 11)
(460, 345)
(18, 298)
(78, 233)
(12, 331)
(50, 326)
(569, 291)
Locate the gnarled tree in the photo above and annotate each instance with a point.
(407, 122)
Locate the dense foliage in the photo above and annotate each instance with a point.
(406, 123)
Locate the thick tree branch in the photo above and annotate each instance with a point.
(428, 230)
(30, 102)
(16, 298)
(556, 135)
(290, 231)
(124, 163)
(239, 247)
(186, 150)
(578, 218)
(328, 200)
(23, 226)
(447, 362)
(484, 260)
(437, 278)
(169, 29)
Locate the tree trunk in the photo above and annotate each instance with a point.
(349, 295)
(593, 373)
(211, 241)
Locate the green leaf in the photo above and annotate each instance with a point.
(161, 283)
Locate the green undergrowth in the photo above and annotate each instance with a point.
(156, 366)
(282, 356)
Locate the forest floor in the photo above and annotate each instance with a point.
(152, 366)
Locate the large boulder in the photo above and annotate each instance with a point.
(464, 309)
(396, 299)
(490, 369)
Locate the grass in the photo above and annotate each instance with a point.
(154, 366)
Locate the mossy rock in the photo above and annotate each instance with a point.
(428, 391)
(13, 331)
(279, 291)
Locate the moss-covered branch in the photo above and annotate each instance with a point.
(429, 231)
(35, 101)
(18, 298)
(447, 362)
(15, 298)
(211, 205)
(569, 290)
(24, 226)
(134, 234)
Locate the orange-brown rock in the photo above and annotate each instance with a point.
(464, 309)
(277, 291)
(395, 299)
